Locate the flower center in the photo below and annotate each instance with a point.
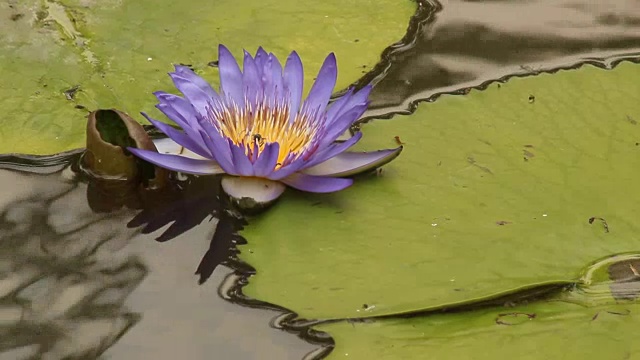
(258, 123)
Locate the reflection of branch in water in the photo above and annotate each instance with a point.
(187, 205)
(63, 287)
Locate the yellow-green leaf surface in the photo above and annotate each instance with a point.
(492, 193)
(595, 320)
(118, 52)
(559, 330)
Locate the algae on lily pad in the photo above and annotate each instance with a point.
(546, 330)
(37, 68)
(492, 193)
(62, 58)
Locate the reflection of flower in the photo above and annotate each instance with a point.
(258, 130)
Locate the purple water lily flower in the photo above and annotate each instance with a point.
(260, 133)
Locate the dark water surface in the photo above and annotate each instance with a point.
(464, 43)
(73, 281)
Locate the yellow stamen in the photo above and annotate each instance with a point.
(254, 126)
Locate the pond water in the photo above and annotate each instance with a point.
(77, 282)
(77, 277)
(463, 43)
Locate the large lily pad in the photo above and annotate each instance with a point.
(597, 318)
(493, 193)
(103, 54)
(549, 330)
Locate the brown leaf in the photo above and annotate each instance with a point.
(109, 132)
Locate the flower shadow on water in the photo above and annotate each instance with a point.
(64, 277)
(187, 205)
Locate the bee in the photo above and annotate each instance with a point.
(257, 138)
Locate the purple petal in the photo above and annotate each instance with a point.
(182, 113)
(190, 75)
(272, 78)
(260, 190)
(293, 82)
(199, 99)
(192, 132)
(352, 163)
(252, 85)
(287, 169)
(230, 75)
(342, 124)
(219, 148)
(217, 144)
(316, 184)
(332, 150)
(260, 58)
(195, 145)
(241, 162)
(320, 156)
(177, 109)
(178, 163)
(266, 163)
(338, 105)
(323, 87)
(347, 102)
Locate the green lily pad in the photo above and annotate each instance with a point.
(114, 54)
(492, 193)
(38, 67)
(548, 330)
